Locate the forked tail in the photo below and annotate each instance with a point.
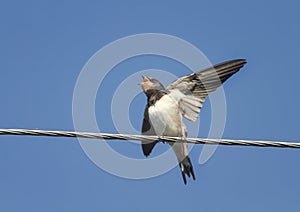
(186, 168)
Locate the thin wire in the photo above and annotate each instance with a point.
(108, 136)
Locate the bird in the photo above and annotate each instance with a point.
(183, 98)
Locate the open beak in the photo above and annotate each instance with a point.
(146, 79)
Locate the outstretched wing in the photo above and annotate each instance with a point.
(190, 91)
(147, 129)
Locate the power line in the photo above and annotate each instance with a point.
(108, 136)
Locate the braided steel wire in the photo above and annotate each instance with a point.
(108, 136)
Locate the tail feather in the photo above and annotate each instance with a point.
(186, 168)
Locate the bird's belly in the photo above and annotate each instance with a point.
(166, 118)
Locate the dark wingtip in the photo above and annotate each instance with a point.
(239, 60)
(146, 153)
(236, 62)
(147, 147)
(243, 61)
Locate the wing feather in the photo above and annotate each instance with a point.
(197, 86)
(147, 129)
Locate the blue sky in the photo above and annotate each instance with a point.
(44, 46)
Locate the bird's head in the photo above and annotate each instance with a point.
(150, 84)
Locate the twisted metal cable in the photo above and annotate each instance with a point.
(108, 136)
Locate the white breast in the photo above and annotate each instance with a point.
(166, 118)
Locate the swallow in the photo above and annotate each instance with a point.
(183, 98)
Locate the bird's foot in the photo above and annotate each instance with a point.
(183, 138)
(161, 138)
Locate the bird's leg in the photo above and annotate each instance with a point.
(184, 134)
